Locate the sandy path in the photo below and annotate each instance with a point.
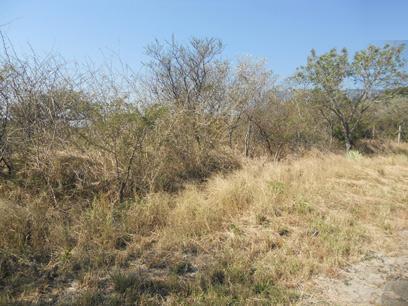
(378, 280)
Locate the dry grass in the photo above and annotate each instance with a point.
(256, 236)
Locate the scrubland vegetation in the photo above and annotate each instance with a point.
(199, 182)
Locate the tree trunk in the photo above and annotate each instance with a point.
(348, 140)
(399, 134)
(248, 139)
(230, 135)
(349, 145)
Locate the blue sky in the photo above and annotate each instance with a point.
(283, 32)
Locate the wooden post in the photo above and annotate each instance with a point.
(399, 133)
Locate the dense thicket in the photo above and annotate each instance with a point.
(76, 135)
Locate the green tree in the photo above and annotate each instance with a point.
(348, 88)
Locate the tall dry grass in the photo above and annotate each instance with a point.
(254, 236)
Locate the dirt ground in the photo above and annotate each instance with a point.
(377, 280)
